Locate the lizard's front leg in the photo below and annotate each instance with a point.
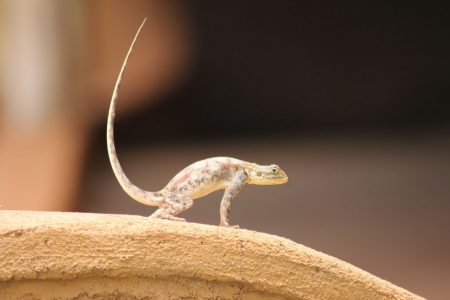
(235, 186)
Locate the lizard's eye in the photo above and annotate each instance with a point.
(259, 173)
(274, 168)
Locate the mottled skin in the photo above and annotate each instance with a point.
(196, 180)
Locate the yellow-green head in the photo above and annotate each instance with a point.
(266, 175)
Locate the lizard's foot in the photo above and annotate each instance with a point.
(162, 214)
(167, 217)
(229, 226)
(173, 218)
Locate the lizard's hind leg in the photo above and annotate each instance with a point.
(176, 203)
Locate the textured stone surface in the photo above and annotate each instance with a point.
(85, 256)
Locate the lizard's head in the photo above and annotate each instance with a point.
(267, 175)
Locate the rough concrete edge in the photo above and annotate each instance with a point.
(64, 246)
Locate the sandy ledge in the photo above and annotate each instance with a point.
(56, 255)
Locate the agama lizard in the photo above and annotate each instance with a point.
(196, 180)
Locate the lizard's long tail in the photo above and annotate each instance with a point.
(144, 197)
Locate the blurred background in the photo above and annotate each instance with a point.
(349, 98)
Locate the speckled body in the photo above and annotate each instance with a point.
(206, 176)
(194, 181)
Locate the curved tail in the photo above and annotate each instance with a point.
(144, 197)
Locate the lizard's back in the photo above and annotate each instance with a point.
(206, 176)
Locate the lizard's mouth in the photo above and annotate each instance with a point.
(282, 180)
(274, 181)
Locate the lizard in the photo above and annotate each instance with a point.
(196, 180)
